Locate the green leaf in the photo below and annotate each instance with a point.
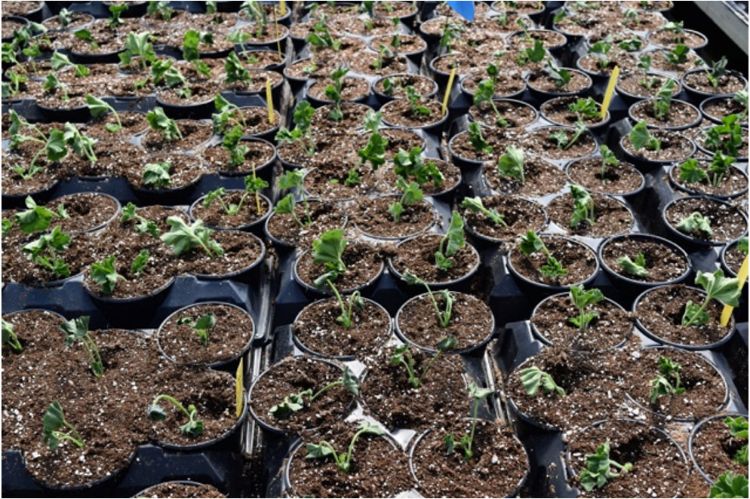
(598, 471)
(511, 164)
(159, 122)
(184, 238)
(104, 274)
(725, 290)
(477, 139)
(533, 379)
(10, 337)
(475, 205)
(139, 262)
(696, 224)
(531, 243)
(36, 218)
(588, 108)
(641, 138)
(691, 172)
(729, 484)
(635, 267)
(694, 315)
(156, 175)
(328, 250)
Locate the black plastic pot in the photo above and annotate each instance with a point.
(647, 102)
(594, 127)
(686, 240)
(383, 98)
(513, 101)
(484, 241)
(691, 440)
(196, 111)
(723, 258)
(178, 195)
(654, 336)
(702, 147)
(249, 274)
(708, 116)
(316, 102)
(312, 292)
(17, 19)
(341, 358)
(271, 67)
(77, 114)
(648, 165)
(98, 58)
(264, 171)
(465, 164)
(468, 349)
(40, 196)
(625, 195)
(434, 128)
(217, 364)
(256, 226)
(543, 95)
(147, 491)
(632, 99)
(674, 175)
(699, 95)
(122, 308)
(279, 40)
(631, 286)
(470, 95)
(280, 244)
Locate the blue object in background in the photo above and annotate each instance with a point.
(464, 8)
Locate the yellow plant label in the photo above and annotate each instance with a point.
(726, 313)
(239, 387)
(269, 101)
(448, 89)
(610, 90)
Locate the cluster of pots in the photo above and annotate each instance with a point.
(400, 58)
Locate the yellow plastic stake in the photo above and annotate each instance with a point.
(269, 101)
(610, 90)
(448, 89)
(239, 387)
(282, 7)
(726, 313)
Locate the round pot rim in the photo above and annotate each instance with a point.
(722, 197)
(570, 129)
(340, 358)
(709, 100)
(513, 406)
(425, 127)
(229, 275)
(324, 291)
(469, 348)
(723, 257)
(634, 97)
(556, 93)
(700, 144)
(261, 421)
(33, 309)
(516, 102)
(694, 432)
(192, 483)
(246, 226)
(432, 66)
(723, 378)
(640, 235)
(412, 53)
(695, 32)
(511, 197)
(612, 198)
(538, 333)
(705, 69)
(239, 173)
(287, 244)
(690, 239)
(130, 300)
(378, 79)
(655, 162)
(510, 96)
(210, 365)
(535, 30)
(671, 344)
(434, 220)
(623, 165)
(593, 126)
(441, 284)
(673, 128)
(550, 287)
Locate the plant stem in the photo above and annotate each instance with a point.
(176, 403)
(344, 313)
(320, 392)
(699, 311)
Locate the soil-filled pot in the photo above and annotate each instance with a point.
(673, 147)
(729, 185)
(621, 180)
(286, 232)
(551, 322)
(260, 157)
(121, 307)
(732, 256)
(657, 463)
(519, 215)
(273, 393)
(610, 216)
(636, 86)
(680, 115)
(700, 389)
(659, 313)
(180, 488)
(236, 209)
(427, 115)
(242, 260)
(719, 107)
(377, 467)
(75, 114)
(546, 141)
(321, 329)
(557, 111)
(471, 321)
(200, 109)
(532, 272)
(541, 178)
(390, 87)
(698, 85)
(363, 267)
(658, 261)
(498, 467)
(700, 222)
(513, 113)
(417, 256)
(713, 448)
(543, 87)
(211, 334)
(372, 216)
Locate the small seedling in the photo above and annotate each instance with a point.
(533, 379)
(77, 331)
(292, 180)
(635, 267)
(717, 71)
(535, 53)
(227, 116)
(105, 275)
(348, 306)
(343, 460)
(485, 93)
(81, 144)
(54, 425)
(374, 150)
(295, 402)
(37, 218)
(583, 207)
(725, 290)
(192, 428)
(328, 251)
(662, 104)
(321, 37)
(143, 225)
(585, 108)
(416, 108)
(475, 205)
(531, 243)
(584, 301)
(667, 381)
(696, 224)
(738, 429)
(641, 138)
(609, 160)
(565, 142)
(464, 443)
(511, 164)
(411, 195)
(160, 8)
(443, 315)
(45, 251)
(402, 356)
(742, 245)
(411, 166)
(303, 115)
(10, 337)
(159, 122)
(633, 44)
(334, 91)
(99, 108)
(600, 51)
(727, 137)
(156, 175)
(729, 484)
(560, 76)
(202, 326)
(138, 47)
(678, 55)
(116, 11)
(139, 262)
(477, 140)
(451, 243)
(184, 238)
(599, 469)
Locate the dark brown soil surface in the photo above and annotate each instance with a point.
(176, 490)
(496, 470)
(215, 215)
(132, 123)
(194, 136)
(323, 217)
(541, 178)
(471, 321)
(611, 327)
(241, 250)
(714, 447)
(330, 184)
(659, 470)
(643, 85)
(254, 120)
(550, 39)
(557, 111)
(363, 264)
(294, 375)
(540, 141)
(378, 467)
(354, 115)
(386, 178)
(680, 114)
(594, 387)
(578, 259)
(258, 155)
(498, 138)
(704, 387)
(184, 170)
(727, 223)
(372, 217)
(77, 21)
(661, 310)
(423, 85)
(620, 180)
(521, 215)
(517, 115)
(734, 258)
(542, 82)
(18, 268)
(722, 107)
(229, 336)
(392, 400)
(659, 62)
(729, 83)
(353, 89)
(663, 261)
(417, 256)
(670, 39)
(611, 217)
(506, 83)
(399, 138)
(317, 329)
(398, 113)
(674, 147)
(733, 184)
